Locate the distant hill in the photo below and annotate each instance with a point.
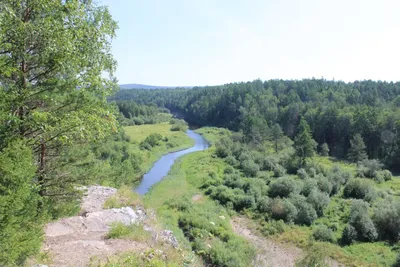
(144, 86)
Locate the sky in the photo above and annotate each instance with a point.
(212, 42)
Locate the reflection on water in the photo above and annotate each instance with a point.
(162, 167)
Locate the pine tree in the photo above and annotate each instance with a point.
(20, 226)
(276, 134)
(357, 149)
(53, 58)
(324, 150)
(304, 144)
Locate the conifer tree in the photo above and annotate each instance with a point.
(357, 149)
(304, 144)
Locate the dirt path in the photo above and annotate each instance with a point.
(269, 253)
(75, 240)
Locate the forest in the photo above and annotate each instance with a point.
(335, 111)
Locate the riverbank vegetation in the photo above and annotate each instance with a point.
(309, 209)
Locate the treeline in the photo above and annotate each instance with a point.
(137, 114)
(335, 111)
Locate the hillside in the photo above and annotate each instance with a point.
(144, 86)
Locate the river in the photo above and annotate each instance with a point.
(161, 168)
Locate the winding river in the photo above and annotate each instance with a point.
(161, 168)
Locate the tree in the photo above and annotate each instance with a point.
(304, 144)
(276, 134)
(357, 149)
(20, 227)
(53, 57)
(324, 150)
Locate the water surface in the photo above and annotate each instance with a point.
(161, 168)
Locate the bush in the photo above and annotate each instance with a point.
(385, 174)
(223, 147)
(229, 170)
(179, 127)
(323, 184)
(308, 186)
(337, 178)
(387, 220)
(273, 227)
(151, 141)
(282, 187)
(361, 221)
(231, 160)
(359, 189)
(368, 167)
(279, 170)
(323, 233)
(250, 168)
(349, 235)
(306, 214)
(282, 209)
(302, 173)
(263, 204)
(318, 200)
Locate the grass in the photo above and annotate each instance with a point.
(213, 134)
(124, 197)
(177, 140)
(133, 232)
(173, 200)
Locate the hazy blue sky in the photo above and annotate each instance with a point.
(207, 42)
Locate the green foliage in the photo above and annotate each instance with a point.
(250, 168)
(324, 150)
(357, 149)
(323, 233)
(20, 222)
(151, 141)
(306, 214)
(387, 220)
(282, 187)
(360, 189)
(313, 258)
(304, 144)
(179, 125)
(318, 200)
(368, 168)
(282, 209)
(132, 231)
(361, 223)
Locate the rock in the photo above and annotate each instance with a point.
(168, 236)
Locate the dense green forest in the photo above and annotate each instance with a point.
(335, 111)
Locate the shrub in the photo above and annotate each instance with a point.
(151, 141)
(360, 189)
(273, 227)
(387, 220)
(231, 160)
(368, 167)
(179, 127)
(318, 200)
(279, 170)
(337, 178)
(308, 186)
(282, 187)
(323, 233)
(282, 209)
(263, 204)
(361, 221)
(223, 147)
(349, 235)
(323, 184)
(250, 168)
(313, 258)
(385, 174)
(302, 173)
(229, 170)
(306, 214)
